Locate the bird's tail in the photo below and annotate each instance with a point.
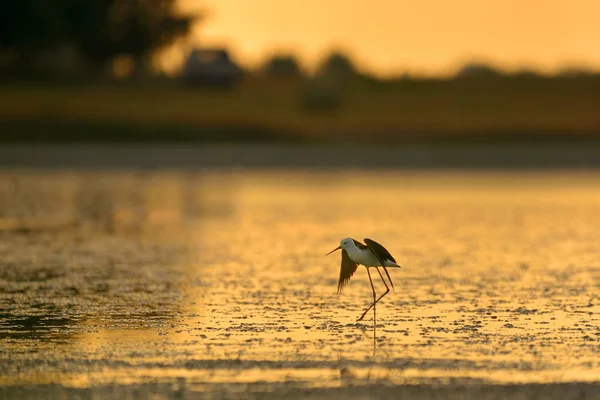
(391, 264)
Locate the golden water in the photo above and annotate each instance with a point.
(213, 279)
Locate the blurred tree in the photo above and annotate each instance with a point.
(27, 27)
(105, 29)
(100, 30)
(282, 66)
(338, 65)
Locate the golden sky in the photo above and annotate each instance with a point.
(420, 36)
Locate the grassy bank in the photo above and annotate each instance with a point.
(505, 109)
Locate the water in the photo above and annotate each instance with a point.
(216, 282)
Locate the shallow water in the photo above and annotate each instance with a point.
(216, 281)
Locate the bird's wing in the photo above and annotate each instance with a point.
(382, 254)
(346, 271)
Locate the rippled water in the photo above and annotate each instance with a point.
(217, 282)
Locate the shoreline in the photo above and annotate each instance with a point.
(263, 390)
(306, 156)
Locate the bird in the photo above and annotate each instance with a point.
(370, 255)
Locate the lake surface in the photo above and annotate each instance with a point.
(216, 283)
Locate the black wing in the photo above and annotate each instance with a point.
(382, 254)
(346, 271)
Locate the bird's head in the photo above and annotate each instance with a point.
(344, 244)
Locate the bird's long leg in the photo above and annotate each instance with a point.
(388, 275)
(387, 290)
(374, 294)
(374, 314)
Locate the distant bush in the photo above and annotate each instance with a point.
(282, 66)
(478, 70)
(577, 72)
(526, 74)
(337, 65)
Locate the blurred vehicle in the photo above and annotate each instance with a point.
(211, 68)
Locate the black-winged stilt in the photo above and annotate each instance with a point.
(371, 255)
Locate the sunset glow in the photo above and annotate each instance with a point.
(391, 37)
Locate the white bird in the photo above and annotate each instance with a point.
(371, 255)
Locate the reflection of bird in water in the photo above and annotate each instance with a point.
(347, 378)
(371, 255)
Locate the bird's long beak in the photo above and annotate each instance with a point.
(337, 248)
